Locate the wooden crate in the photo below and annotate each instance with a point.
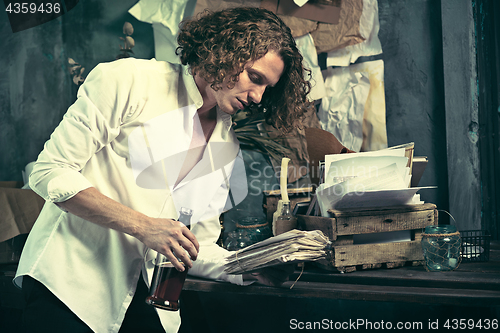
(343, 225)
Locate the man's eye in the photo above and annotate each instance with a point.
(255, 79)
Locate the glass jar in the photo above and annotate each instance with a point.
(237, 240)
(441, 246)
(256, 228)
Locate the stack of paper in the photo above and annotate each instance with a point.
(367, 179)
(292, 246)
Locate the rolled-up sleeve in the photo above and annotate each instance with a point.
(92, 122)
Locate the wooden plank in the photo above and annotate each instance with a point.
(303, 190)
(352, 255)
(381, 210)
(395, 264)
(353, 225)
(417, 235)
(302, 289)
(344, 240)
(326, 224)
(482, 276)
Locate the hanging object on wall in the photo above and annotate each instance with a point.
(165, 18)
(76, 70)
(354, 109)
(305, 44)
(326, 11)
(128, 41)
(369, 46)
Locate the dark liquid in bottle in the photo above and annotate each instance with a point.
(167, 283)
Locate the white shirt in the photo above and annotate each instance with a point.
(131, 119)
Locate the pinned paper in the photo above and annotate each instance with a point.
(368, 29)
(354, 107)
(300, 3)
(305, 44)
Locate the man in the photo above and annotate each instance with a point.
(144, 139)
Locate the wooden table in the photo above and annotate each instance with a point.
(470, 292)
(471, 284)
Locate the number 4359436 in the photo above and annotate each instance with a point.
(462, 324)
(32, 8)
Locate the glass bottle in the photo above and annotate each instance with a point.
(441, 246)
(285, 221)
(167, 281)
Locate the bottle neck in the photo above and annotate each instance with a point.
(185, 216)
(285, 209)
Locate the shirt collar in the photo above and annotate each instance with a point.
(195, 95)
(191, 87)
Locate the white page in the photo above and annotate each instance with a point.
(338, 157)
(364, 166)
(386, 178)
(380, 198)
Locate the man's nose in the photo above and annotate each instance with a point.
(256, 93)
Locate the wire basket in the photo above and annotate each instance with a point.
(475, 245)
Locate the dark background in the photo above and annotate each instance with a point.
(431, 86)
(441, 77)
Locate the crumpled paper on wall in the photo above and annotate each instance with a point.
(368, 28)
(169, 13)
(328, 37)
(354, 109)
(305, 44)
(165, 17)
(374, 124)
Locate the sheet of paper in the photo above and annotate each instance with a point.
(364, 166)
(380, 198)
(369, 27)
(300, 3)
(337, 157)
(334, 196)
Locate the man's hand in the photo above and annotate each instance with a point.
(172, 239)
(273, 276)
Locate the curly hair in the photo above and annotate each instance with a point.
(217, 46)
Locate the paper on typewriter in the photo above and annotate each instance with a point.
(292, 246)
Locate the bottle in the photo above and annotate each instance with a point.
(285, 221)
(167, 281)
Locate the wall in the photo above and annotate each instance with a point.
(35, 85)
(410, 34)
(36, 89)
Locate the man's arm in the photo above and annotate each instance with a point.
(165, 236)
